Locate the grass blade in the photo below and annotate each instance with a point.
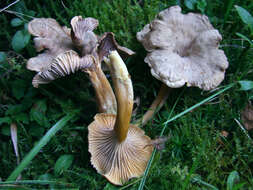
(35, 182)
(198, 104)
(228, 9)
(141, 186)
(35, 150)
(199, 181)
(243, 129)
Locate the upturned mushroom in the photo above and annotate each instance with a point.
(119, 150)
(60, 59)
(182, 49)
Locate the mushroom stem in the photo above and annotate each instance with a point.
(105, 98)
(124, 94)
(156, 105)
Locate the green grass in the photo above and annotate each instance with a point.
(193, 158)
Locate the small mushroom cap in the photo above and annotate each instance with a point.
(52, 38)
(108, 43)
(82, 33)
(45, 28)
(183, 49)
(118, 162)
(64, 64)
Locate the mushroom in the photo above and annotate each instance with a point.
(52, 38)
(60, 59)
(182, 49)
(119, 150)
(64, 64)
(82, 34)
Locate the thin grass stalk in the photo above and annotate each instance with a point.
(35, 150)
(204, 183)
(229, 7)
(198, 104)
(36, 182)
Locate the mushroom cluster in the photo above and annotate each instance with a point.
(182, 49)
(119, 150)
(66, 51)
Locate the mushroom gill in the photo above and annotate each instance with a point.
(64, 64)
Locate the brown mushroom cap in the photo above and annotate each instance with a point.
(82, 34)
(108, 43)
(64, 64)
(118, 162)
(183, 49)
(52, 38)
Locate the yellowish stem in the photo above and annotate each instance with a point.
(124, 94)
(157, 104)
(104, 94)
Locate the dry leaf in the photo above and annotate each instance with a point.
(224, 134)
(14, 138)
(247, 116)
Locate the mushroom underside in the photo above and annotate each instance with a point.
(64, 64)
(118, 162)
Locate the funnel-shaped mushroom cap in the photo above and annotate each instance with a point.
(118, 162)
(51, 36)
(183, 49)
(64, 64)
(82, 33)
